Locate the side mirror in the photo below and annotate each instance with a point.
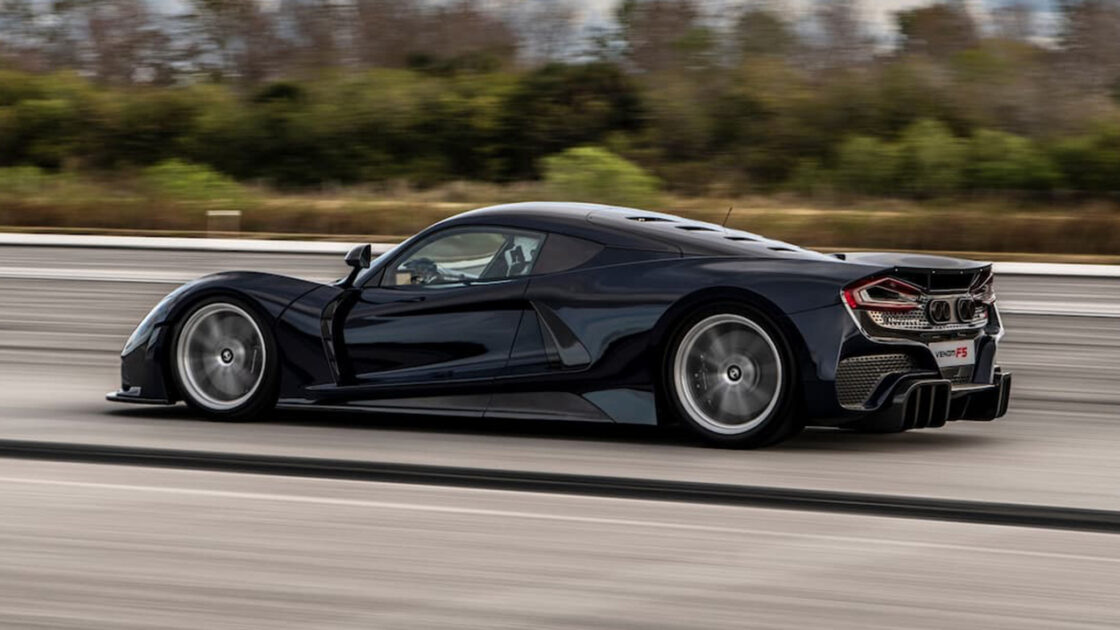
(358, 258)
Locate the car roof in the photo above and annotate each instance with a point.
(619, 226)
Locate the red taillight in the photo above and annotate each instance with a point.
(882, 294)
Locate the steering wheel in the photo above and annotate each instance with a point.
(423, 270)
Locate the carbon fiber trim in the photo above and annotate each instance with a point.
(856, 377)
(959, 375)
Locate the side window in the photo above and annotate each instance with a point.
(562, 253)
(467, 256)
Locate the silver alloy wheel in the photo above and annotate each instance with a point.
(221, 356)
(728, 374)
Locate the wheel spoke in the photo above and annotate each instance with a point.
(728, 373)
(221, 358)
(754, 401)
(721, 346)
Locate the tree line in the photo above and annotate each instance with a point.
(708, 97)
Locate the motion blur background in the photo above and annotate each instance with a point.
(989, 128)
(829, 123)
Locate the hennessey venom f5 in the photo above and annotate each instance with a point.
(572, 311)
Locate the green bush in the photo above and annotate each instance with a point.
(868, 165)
(183, 181)
(905, 128)
(1004, 161)
(932, 159)
(593, 174)
(1090, 163)
(24, 181)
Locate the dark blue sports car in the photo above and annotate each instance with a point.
(569, 311)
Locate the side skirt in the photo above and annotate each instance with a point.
(560, 406)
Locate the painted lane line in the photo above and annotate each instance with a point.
(1056, 308)
(247, 245)
(337, 249)
(1056, 269)
(990, 513)
(544, 516)
(87, 274)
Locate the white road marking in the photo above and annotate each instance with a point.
(1056, 269)
(593, 520)
(327, 247)
(86, 274)
(96, 275)
(1066, 309)
(89, 274)
(195, 244)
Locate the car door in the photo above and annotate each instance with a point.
(445, 311)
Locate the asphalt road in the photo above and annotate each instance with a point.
(93, 546)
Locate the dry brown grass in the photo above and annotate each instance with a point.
(397, 211)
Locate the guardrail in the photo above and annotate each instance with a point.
(332, 248)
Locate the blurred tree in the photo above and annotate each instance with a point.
(20, 37)
(384, 31)
(843, 40)
(1089, 41)
(938, 30)
(1015, 21)
(313, 35)
(469, 36)
(239, 39)
(557, 107)
(761, 31)
(661, 35)
(546, 30)
(911, 89)
(458, 35)
(761, 123)
(125, 42)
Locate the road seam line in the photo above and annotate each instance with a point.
(991, 513)
(592, 520)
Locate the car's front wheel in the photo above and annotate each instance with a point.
(730, 377)
(224, 360)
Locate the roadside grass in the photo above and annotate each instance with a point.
(32, 201)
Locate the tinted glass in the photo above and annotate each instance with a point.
(467, 256)
(562, 253)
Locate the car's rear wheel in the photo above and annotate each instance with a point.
(224, 360)
(730, 377)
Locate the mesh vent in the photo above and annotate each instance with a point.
(857, 377)
(916, 320)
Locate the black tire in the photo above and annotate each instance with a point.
(776, 420)
(202, 393)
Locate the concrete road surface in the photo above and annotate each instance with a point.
(112, 546)
(92, 547)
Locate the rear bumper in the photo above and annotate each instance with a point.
(984, 402)
(922, 403)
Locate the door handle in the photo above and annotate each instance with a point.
(418, 298)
